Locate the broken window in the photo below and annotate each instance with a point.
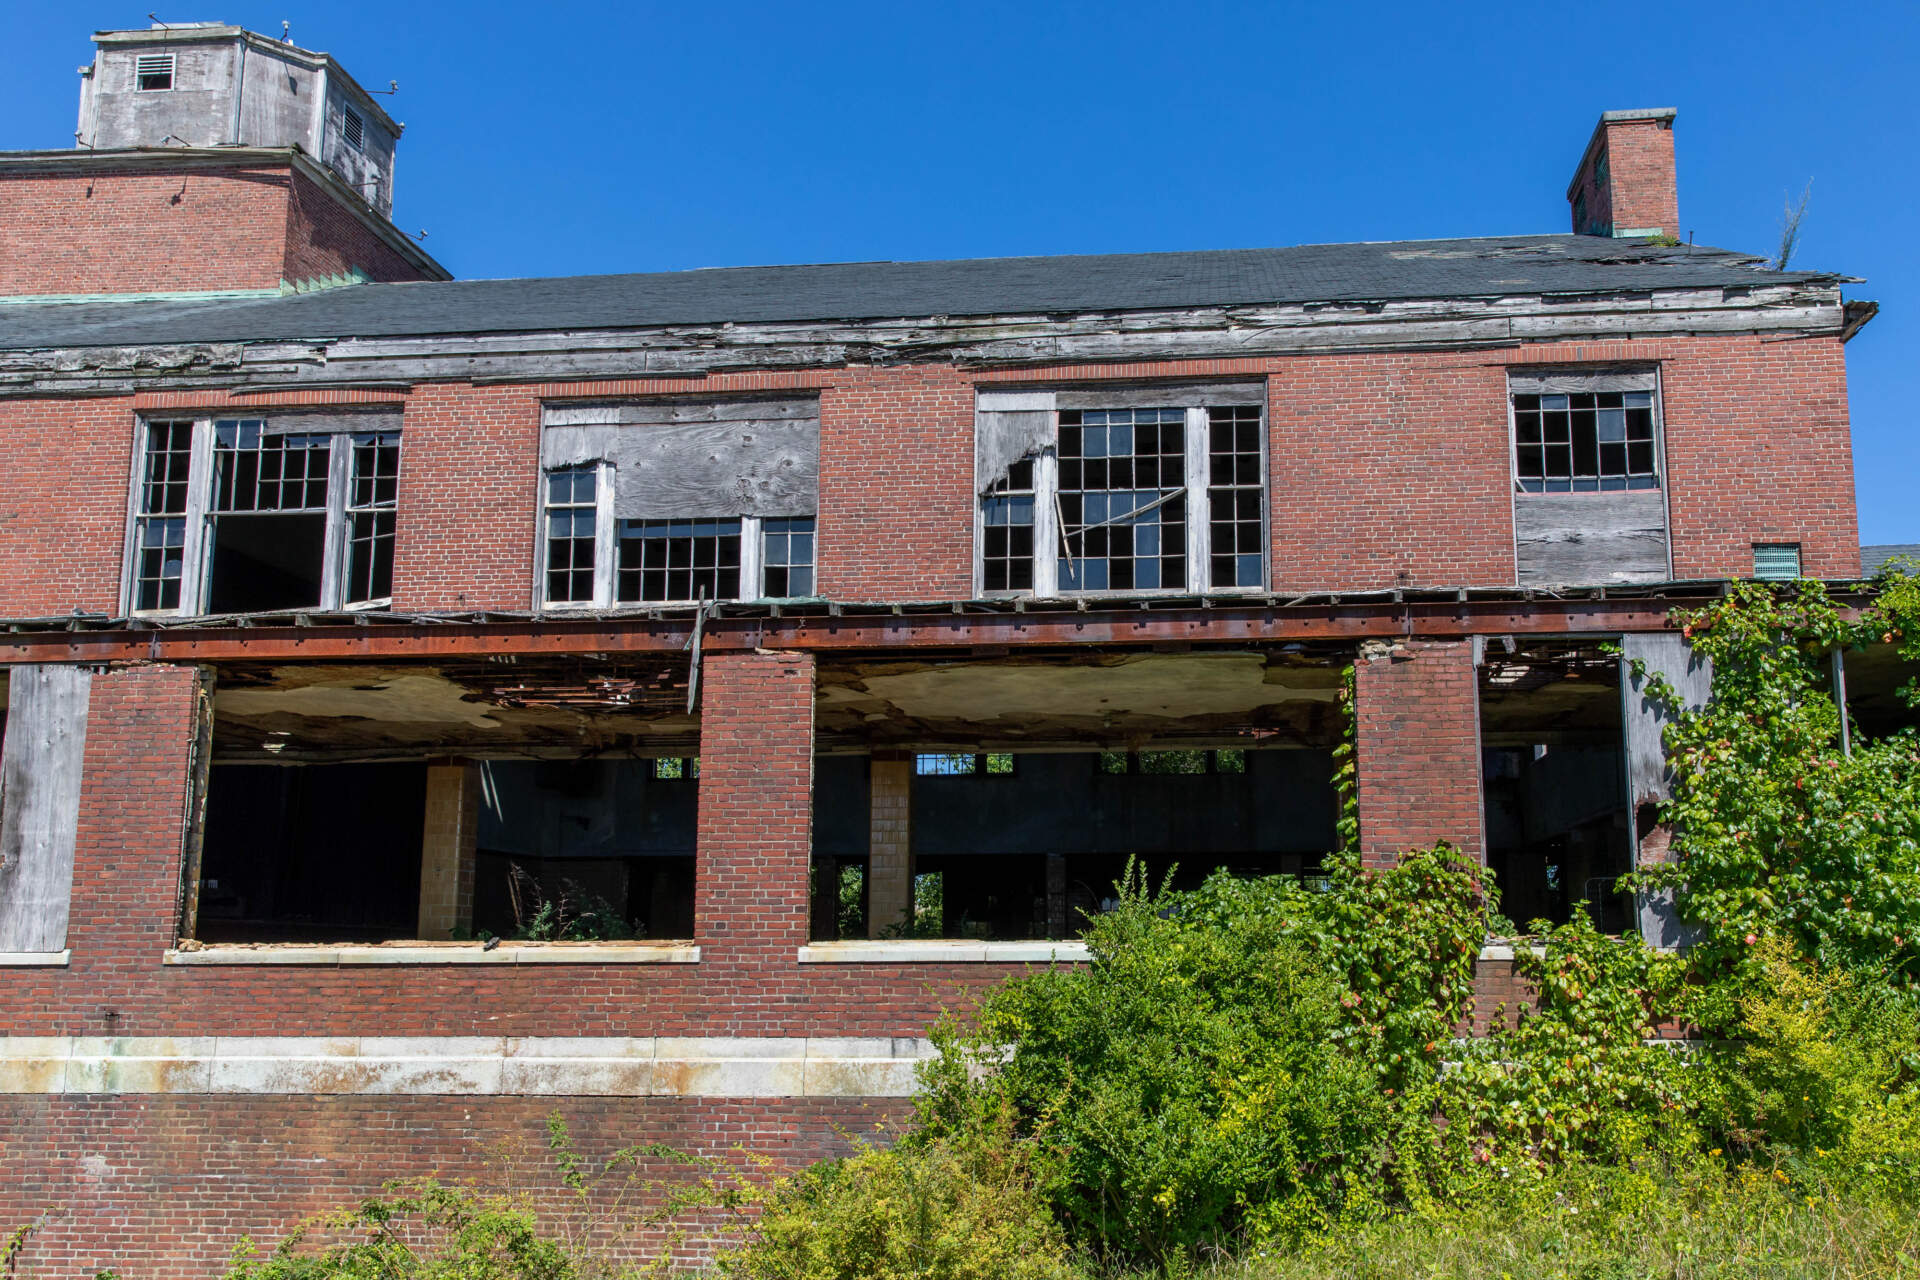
(679, 501)
(1584, 442)
(253, 515)
(1006, 531)
(1122, 489)
(943, 764)
(153, 71)
(679, 560)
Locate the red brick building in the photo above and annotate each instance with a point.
(657, 698)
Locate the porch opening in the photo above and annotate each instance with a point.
(1554, 769)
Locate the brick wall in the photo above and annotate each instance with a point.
(1389, 471)
(163, 1187)
(896, 482)
(1759, 450)
(243, 227)
(120, 232)
(324, 237)
(756, 817)
(63, 504)
(469, 492)
(1417, 719)
(1386, 470)
(141, 725)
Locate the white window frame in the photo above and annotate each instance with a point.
(1199, 552)
(196, 563)
(606, 550)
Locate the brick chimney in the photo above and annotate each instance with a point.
(1625, 184)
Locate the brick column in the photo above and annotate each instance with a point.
(756, 809)
(1417, 704)
(135, 794)
(449, 849)
(890, 843)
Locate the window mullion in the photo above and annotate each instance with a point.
(195, 563)
(333, 569)
(606, 545)
(1046, 528)
(1199, 514)
(752, 559)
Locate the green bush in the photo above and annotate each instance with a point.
(1189, 1083)
(1824, 1079)
(963, 1208)
(422, 1231)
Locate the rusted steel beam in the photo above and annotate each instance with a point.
(878, 632)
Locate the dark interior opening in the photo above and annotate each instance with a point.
(312, 853)
(262, 563)
(587, 849)
(1553, 768)
(1030, 845)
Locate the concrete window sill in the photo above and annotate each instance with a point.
(943, 951)
(34, 959)
(431, 953)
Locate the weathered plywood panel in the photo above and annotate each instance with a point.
(40, 769)
(663, 470)
(1547, 381)
(1649, 781)
(1590, 539)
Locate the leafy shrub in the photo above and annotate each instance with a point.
(1401, 941)
(959, 1208)
(1189, 1081)
(1775, 827)
(1576, 1075)
(1825, 1077)
(422, 1231)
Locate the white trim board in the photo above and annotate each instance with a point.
(534, 1066)
(428, 953)
(943, 951)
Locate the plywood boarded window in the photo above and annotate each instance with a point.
(254, 515)
(40, 767)
(675, 501)
(1588, 507)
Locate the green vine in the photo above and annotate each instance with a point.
(1346, 766)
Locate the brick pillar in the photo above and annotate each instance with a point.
(136, 791)
(1417, 704)
(890, 843)
(756, 809)
(449, 849)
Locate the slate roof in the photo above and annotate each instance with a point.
(1871, 558)
(1384, 271)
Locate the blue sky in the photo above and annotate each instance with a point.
(573, 138)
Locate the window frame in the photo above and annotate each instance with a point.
(606, 553)
(196, 567)
(1197, 502)
(1592, 376)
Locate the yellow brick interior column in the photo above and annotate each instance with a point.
(889, 844)
(448, 849)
